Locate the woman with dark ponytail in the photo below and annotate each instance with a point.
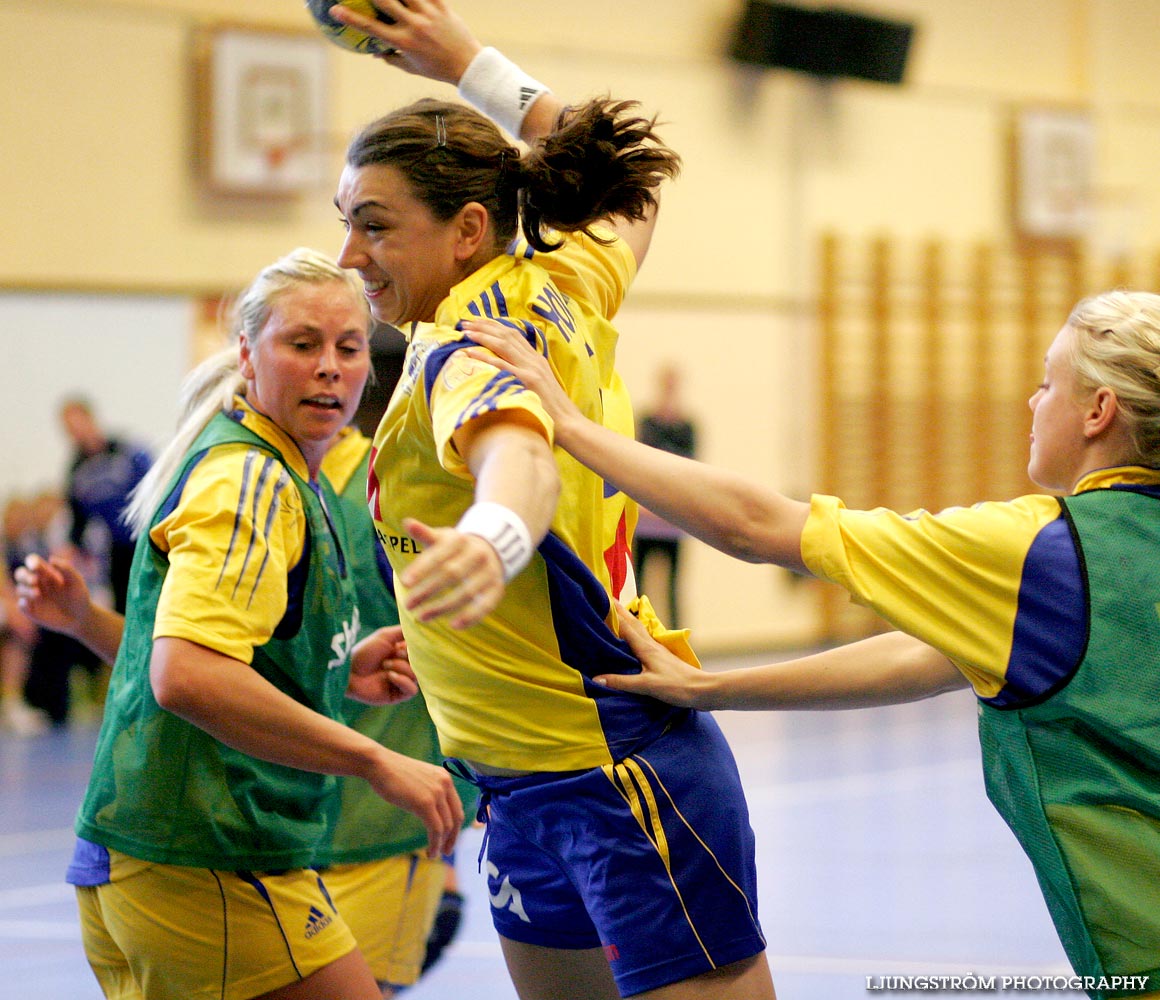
(620, 858)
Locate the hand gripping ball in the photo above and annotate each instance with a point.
(341, 34)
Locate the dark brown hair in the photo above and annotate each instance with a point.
(599, 162)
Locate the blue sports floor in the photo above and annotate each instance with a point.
(878, 856)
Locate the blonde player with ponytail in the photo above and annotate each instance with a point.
(1047, 606)
(213, 785)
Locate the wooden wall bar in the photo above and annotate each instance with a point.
(928, 355)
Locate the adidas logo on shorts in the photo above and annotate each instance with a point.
(317, 922)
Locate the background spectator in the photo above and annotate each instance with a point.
(102, 474)
(669, 428)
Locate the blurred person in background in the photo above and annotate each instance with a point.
(669, 427)
(101, 475)
(18, 633)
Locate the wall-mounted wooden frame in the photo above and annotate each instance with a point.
(261, 107)
(1053, 175)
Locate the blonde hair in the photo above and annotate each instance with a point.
(1116, 343)
(302, 266)
(211, 386)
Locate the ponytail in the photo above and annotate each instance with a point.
(207, 390)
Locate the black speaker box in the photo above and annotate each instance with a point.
(823, 41)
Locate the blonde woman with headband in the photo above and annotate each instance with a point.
(1048, 607)
(213, 786)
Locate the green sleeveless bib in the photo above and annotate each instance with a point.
(369, 828)
(163, 789)
(1077, 775)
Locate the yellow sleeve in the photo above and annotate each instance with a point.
(343, 458)
(596, 273)
(675, 640)
(467, 389)
(951, 579)
(237, 531)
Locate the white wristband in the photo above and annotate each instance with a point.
(495, 85)
(504, 529)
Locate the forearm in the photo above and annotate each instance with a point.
(514, 467)
(237, 706)
(54, 595)
(540, 120)
(100, 631)
(885, 669)
(723, 509)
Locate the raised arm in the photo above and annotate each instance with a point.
(885, 669)
(725, 510)
(430, 40)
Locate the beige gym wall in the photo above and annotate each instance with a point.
(100, 192)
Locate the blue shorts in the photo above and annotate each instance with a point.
(651, 859)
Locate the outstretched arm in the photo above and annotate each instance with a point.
(725, 510)
(885, 669)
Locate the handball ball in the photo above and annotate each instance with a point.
(341, 34)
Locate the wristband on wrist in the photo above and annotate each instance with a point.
(504, 529)
(495, 85)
